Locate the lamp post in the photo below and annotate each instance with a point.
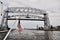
(1, 13)
(1, 7)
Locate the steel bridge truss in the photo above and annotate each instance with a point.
(27, 14)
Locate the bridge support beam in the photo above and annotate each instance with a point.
(46, 21)
(4, 23)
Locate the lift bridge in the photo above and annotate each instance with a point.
(24, 13)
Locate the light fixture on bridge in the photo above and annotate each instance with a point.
(17, 17)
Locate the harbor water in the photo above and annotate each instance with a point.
(34, 35)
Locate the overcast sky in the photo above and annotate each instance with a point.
(51, 6)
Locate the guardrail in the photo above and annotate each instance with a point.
(7, 34)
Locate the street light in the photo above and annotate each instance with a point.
(1, 7)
